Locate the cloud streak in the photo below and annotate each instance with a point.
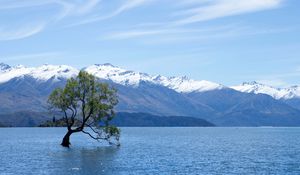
(67, 8)
(187, 12)
(88, 7)
(129, 4)
(142, 33)
(223, 8)
(195, 11)
(21, 32)
(180, 34)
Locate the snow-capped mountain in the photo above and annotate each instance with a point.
(125, 77)
(131, 78)
(117, 75)
(277, 93)
(27, 89)
(186, 85)
(107, 72)
(4, 67)
(41, 73)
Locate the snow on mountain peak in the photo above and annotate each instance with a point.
(12, 72)
(125, 77)
(4, 66)
(292, 92)
(108, 72)
(46, 71)
(277, 93)
(116, 74)
(42, 73)
(187, 85)
(107, 65)
(251, 83)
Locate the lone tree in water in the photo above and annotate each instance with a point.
(89, 104)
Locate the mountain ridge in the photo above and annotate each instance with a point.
(156, 95)
(277, 93)
(122, 76)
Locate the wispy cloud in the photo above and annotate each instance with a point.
(129, 4)
(184, 13)
(142, 33)
(192, 11)
(66, 8)
(222, 8)
(20, 32)
(181, 34)
(88, 7)
(69, 8)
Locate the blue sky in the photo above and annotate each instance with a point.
(225, 41)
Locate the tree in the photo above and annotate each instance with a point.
(89, 104)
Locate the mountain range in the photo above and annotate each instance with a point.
(26, 89)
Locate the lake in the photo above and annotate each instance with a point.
(153, 151)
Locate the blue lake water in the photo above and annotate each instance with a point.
(153, 151)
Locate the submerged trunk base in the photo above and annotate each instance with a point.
(66, 140)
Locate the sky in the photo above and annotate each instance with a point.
(224, 41)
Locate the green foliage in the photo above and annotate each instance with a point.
(91, 102)
(112, 131)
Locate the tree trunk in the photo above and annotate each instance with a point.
(66, 140)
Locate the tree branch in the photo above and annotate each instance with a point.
(99, 138)
(67, 120)
(96, 138)
(73, 116)
(96, 132)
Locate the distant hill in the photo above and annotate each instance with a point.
(144, 120)
(247, 109)
(1, 125)
(24, 118)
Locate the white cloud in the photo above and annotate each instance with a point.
(223, 8)
(191, 11)
(69, 8)
(133, 34)
(146, 32)
(20, 32)
(88, 7)
(130, 4)
(66, 8)
(173, 34)
(202, 11)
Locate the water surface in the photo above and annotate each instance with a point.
(153, 151)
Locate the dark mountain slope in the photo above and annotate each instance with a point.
(24, 118)
(143, 119)
(247, 109)
(224, 107)
(150, 98)
(30, 119)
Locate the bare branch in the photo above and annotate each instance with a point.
(96, 132)
(96, 138)
(72, 116)
(67, 120)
